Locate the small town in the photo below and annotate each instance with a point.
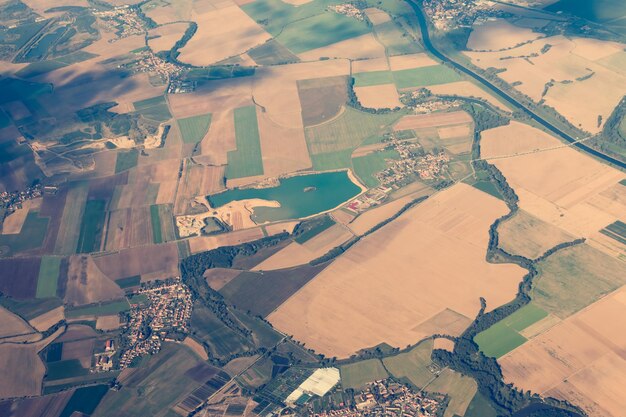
(11, 201)
(349, 10)
(388, 398)
(162, 312)
(452, 14)
(123, 20)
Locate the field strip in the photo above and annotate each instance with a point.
(552, 148)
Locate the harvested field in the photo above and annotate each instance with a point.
(216, 278)
(376, 16)
(467, 89)
(580, 196)
(404, 62)
(424, 121)
(370, 65)
(272, 52)
(163, 38)
(129, 262)
(579, 359)
(87, 284)
(222, 33)
(205, 243)
(412, 365)
(22, 370)
(526, 235)
(564, 74)
(196, 348)
(108, 323)
(46, 320)
(378, 96)
(499, 34)
(322, 99)
(296, 254)
(444, 344)
(358, 375)
(391, 310)
(360, 47)
(262, 292)
(12, 325)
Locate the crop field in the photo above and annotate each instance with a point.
(84, 400)
(505, 336)
(194, 128)
(526, 235)
(272, 52)
(323, 223)
(384, 96)
(149, 391)
(31, 308)
(262, 292)
(154, 108)
(365, 79)
(616, 231)
(12, 324)
(394, 38)
(126, 160)
(425, 76)
(574, 278)
(467, 89)
(358, 375)
(499, 34)
(392, 310)
(246, 161)
(31, 236)
(69, 230)
(102, 309)
(211, 332)
(27, 269)
(412, 365)
(48, 276)
(366, 166)
(22, 370)
(578, 359)
(346, 131)
(129, 262)
(460, 388)
(91, 228)
(322, 99)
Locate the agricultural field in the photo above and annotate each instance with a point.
(357, 375)
(193, 129)
(246, 160)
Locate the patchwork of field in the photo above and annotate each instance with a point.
(403, 307)
(565, 188)
(223, 32)
(563, 72)
(580, 359)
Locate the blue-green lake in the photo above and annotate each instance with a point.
(299, 196)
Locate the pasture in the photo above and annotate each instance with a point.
(357, 375)
(194, 128)
(392, 310)
(246, 161)
(504, 336)
(48, 276)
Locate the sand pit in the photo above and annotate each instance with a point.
(581, 359)
(402, 62)
(371, 294)
(565, 187)
(221, 34)
(499, 34)
(298, 254)
(467, 89)
(360, 47)
(378, 96)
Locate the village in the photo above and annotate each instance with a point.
(124, 20)
(388, 398)
(452, 14)
(160, 311)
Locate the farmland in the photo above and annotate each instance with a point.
(48, 277)
(246, 160)
(357, 375)
(193, 129)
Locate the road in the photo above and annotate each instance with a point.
(416, 6)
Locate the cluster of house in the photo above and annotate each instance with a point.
(386, 398)
(451, 14)
(104, 360)
(124, 20)
(165, 311)
(348, 9)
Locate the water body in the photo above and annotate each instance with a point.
(299, 196)
(598, 11)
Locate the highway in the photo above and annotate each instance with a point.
(416, 5)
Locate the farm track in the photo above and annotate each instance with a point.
(416, 5)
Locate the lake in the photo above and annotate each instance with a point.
(299, 196)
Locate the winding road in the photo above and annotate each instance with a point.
(416, 6)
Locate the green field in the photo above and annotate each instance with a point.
(65, 369)
(330, 161)
(488, 187)
(395, 39)
(126, 160)
(84, 400)
(503, 337)
(128, 282)
(155, 221)
(31, 308)
(322, 223)
(366, 166)
(91, 228)
(48, 276)
(320, 30)
(208, 329)
(154, 108)
(31, 236)
(103, 309)
(162, 224)
(194, 128)
(480, 407)
(616, 231)
(69, 231)
(246, 161)
(357, 375)
(272, 53)
(425, 76)
(347, 131)
(412, 365)
(573, 278)
(364, 79)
